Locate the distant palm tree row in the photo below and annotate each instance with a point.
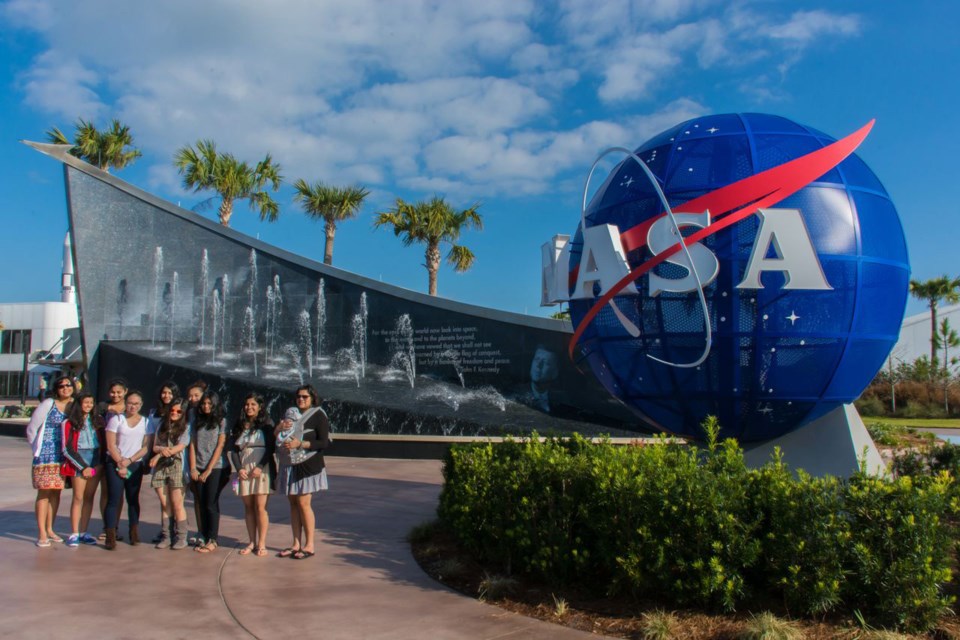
(432, 222)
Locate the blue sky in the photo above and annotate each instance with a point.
(505, 102)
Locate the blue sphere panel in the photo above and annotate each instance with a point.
(780, 357)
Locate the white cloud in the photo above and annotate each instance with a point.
(492, 97)
(62, 86)
(805, 26)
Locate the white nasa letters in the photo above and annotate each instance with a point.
(604, 260)
(663, 235)
(796, 259)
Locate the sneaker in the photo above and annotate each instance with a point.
(86, 538)
(73, 540)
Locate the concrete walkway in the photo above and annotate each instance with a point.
(363, 582)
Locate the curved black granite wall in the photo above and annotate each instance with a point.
(157, 284)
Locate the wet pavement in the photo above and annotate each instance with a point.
(363, 582)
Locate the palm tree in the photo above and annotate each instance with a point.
(105, 149)
(432, 223)
(330, 204)
(933, 291)
(203, 167)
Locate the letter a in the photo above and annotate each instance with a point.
(602, 262)
(784, 230)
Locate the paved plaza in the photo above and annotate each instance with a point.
(363, 582)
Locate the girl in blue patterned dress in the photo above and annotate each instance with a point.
(45, 434)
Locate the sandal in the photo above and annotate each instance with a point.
(261, 551)
(288, 552)
(55, 538)
(43, 544)
(247, 550)
(207, 548)
(303, 555)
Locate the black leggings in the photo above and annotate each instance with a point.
(117, 487)
(208, 496)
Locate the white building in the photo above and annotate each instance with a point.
(915, 334)
(32, 337)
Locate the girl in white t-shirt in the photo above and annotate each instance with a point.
(126, 448)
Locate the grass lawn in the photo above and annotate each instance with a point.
(929, 423)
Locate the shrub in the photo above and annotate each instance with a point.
(696, 527)
(899, 551)
(871, 406)
(804, 537)
(692, 526)
(886, 434)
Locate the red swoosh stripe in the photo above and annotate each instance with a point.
(733, 203)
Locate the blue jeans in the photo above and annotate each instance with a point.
(117, 487)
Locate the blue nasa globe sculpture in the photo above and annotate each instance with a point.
(788, 345)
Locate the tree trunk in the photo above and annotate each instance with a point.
(933, 335)
(226, 211)
(433, 265)
(331, 230)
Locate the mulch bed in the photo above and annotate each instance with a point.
(619, 617)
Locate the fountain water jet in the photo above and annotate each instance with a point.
(204, 285)
(250, 336)
(455, 360)
(362, 353)
(321, 319)
(404, 357)
(224, 312)
(305, 341)
(358, 343)
(174, 297)
(157, 275)
(216, 316)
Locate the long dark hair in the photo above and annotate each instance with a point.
(213, 419)
(258, 421)
(161, 409)
(75, 416)
(171, 430)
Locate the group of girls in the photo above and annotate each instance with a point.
(182, 442)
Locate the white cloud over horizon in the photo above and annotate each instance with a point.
(413, 95)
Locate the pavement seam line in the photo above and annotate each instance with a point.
(223, 598)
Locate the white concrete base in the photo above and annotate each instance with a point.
(832, 445)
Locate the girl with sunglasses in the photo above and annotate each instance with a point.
(166, 394)
(300, 445)
(169, 442)
(45, 434)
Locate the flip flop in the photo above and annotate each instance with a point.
(288, 552)
(43, 544)
(55, 538)
(303, 555)
(247, 550)
(262, 551)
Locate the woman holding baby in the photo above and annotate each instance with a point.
(300, 438)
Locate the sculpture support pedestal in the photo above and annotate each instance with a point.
(831, 445)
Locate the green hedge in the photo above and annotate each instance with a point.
(696, 527)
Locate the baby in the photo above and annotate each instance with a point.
(293, 415)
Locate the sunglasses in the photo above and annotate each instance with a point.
(64, 386)
(299, 397)
(178, 411)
